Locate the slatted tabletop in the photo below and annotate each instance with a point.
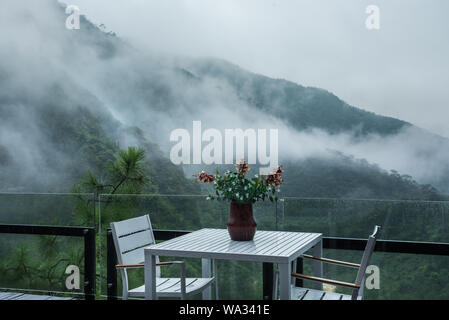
(279, 247)
(267, 246)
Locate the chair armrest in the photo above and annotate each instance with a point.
(141, 265)
(342, 263)
(324, 280)
(129, 266)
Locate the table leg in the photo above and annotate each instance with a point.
(150, 276)
(206, 272)
(285, 270)
(318, 265)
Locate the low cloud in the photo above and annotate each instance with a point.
(135, 87)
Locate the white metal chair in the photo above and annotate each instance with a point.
(130, 238)
(299, 293)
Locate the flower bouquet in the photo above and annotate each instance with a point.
(242, 192)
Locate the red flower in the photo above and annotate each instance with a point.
(279, 170)
(204, 177)
(275, 178)
(242, 167)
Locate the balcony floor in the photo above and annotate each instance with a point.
(22, 296)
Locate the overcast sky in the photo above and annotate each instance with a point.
(401, 70)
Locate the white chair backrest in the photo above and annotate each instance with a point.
(360, 279)
(131, 237)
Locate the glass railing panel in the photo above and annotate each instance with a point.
(402, 276)
(38, 263)
(238, 280)
(35, 263)
(265, 214)
(48, 209)
(410, 276)
(391, 276)
(400, 220)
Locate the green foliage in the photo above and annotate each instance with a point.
(347, 177)
(23, 268)
(236, 186)
(126, 174)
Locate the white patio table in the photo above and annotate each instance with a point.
(268, 246)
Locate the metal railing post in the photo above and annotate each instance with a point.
(89, 264)
(299, 269)
(111, 271)
(267, 276)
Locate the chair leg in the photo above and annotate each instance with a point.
(125, 287)
(124, 294)
(206, 273)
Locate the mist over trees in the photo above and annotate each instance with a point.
(85, 94)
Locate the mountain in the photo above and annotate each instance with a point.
(301, 107)
(84, 94)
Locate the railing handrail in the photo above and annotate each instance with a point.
(281, 198)
(368, 200)
(36, 229)
(205, 195)
(44, 194)
(392, 246)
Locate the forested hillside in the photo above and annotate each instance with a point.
(301, 107)
(76, 115)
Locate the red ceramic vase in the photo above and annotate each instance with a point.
(241, 224)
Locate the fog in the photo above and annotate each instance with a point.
(400, 70)
(140, 84)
